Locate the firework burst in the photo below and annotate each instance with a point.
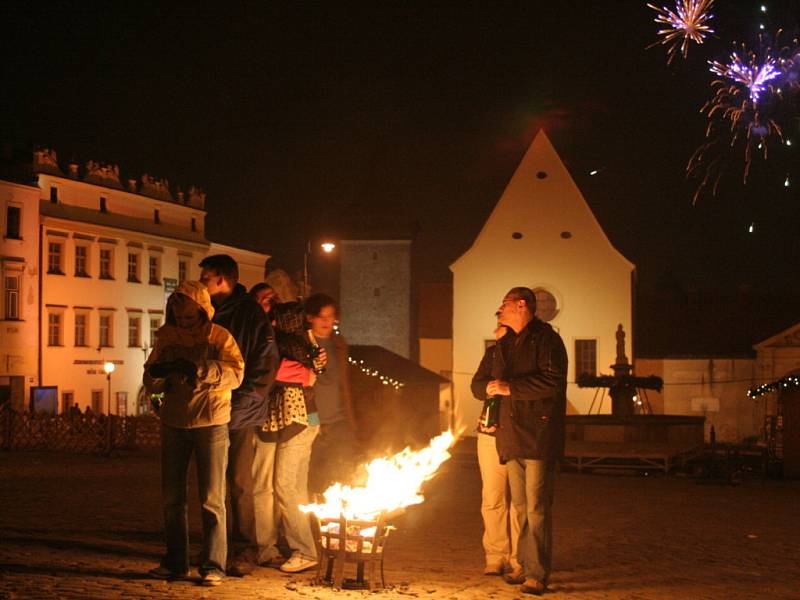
(687, 23)
(755, 98)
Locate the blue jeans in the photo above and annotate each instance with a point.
(291, 490)
(210, 447)
(532, 484)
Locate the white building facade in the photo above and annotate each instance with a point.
(542, 235)
(104, 258)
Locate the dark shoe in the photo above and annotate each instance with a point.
(165, 574)
(240, 567)
(515, 577)
(533, 586)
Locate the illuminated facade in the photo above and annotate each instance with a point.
(105, 258)
(542, 235)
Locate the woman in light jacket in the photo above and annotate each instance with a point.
(195, 364)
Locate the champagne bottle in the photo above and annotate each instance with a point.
(319, 366)
(491, 412)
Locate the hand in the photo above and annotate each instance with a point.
(498, 387)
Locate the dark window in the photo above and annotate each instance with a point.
(103, 207)
(54, 195)
(133, 267)
(156, 217)
(182, 267)
(81, 258)
(13, 218)
(194, 224)
(12, 296)
(585, 357)
(54, 258)
(105, 264)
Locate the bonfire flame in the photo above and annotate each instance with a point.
(392, 484)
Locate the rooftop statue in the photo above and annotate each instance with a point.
(197, 197)
(45, 160)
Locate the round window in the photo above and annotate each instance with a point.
(546, 305)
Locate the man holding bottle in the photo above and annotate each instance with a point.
(530, 375)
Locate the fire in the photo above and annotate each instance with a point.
(392, 484)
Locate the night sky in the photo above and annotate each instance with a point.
(311, 119)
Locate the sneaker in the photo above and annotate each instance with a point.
(165, 573)
(211, 579)
(297, 563)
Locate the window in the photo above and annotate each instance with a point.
(133, 267)
(97, 401)
(106, 258)
(12, 296)
(546, 305)
(155, 323)
(67, 400)
(122, 403)
(156, 217)
(103, 206)
(81, 261)
(81, 327)
(155, 270)
(13, 219)
(134, 331)
(182, 269)
(585, 357)
(54, 195)
(194, 224)
(106, 333)
(55, 252)
(54, 329)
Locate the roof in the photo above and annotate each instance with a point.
(386, 362)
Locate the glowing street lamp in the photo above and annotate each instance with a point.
(108, 369)
(327, 248)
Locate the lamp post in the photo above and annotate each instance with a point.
(327, 248)
(108, 368)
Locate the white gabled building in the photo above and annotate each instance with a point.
(104, 257)
(543, 235)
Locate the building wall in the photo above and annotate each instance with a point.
(563, 250)
(76, 366)
(375, 288)
(19, 303)
(715, 388)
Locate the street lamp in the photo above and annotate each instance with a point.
(108, 368)
(327, 248)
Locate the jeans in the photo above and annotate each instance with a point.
(333, 456)
(532, 486)
(291, 490)
(210, 447)
(498, 544)
(250, 473)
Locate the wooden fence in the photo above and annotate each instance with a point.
(79, 433)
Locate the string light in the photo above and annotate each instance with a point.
(780, 384)
(384, 379)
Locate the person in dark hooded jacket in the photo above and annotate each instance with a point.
(251, 460)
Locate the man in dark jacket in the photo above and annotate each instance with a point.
(250, 461)
(530, 374)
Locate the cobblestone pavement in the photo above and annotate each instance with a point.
(89, 527)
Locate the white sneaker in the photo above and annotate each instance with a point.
(298, 563)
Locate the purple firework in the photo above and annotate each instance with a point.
(749, 72)
(688, 22)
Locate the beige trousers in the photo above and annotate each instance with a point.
(500, 525)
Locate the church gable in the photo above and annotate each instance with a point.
(543, 210)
